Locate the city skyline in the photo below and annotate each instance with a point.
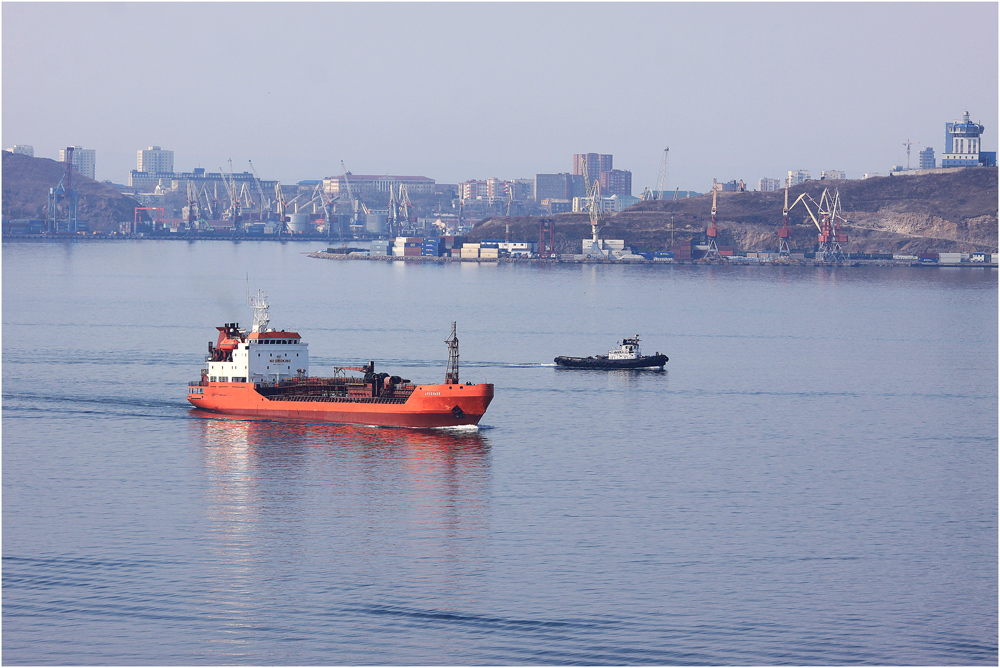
(461, 91)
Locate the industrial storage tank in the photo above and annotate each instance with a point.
(375, 223)
(298, 223)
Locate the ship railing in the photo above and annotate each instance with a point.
(340, 399)
(198, 383)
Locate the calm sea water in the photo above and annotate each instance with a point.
(813, 479)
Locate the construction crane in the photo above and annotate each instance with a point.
(908, 144)
(713, 232)
(661, 180)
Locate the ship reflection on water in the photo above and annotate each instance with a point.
(345, 498)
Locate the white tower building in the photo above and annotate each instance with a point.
(84, 160)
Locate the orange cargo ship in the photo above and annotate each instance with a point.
(265, 373)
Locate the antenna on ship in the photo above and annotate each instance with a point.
(261, 318)
(451, 375)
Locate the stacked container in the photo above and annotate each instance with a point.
(407, 246)
(432, 247)
(681, 251)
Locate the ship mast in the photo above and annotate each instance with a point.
(451, 374)
(261, 318)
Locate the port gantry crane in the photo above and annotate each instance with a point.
(356, 204)
(264, 204)
(282, 207)
(64, 191)
(235, 212)
(783, 249)
(713, 232)
(828, 224)
(594, 208)
(661, 180)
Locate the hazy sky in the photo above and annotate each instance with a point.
(458, 91)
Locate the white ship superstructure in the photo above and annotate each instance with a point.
(628, 349)
(261, 355)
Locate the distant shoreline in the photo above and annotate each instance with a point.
(323, 255)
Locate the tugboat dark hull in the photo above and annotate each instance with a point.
(601, 362)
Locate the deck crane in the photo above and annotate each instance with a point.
(713, 232)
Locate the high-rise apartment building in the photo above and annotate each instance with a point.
(596, 163)
(797, 176)
(154, 159)
(832, 175)
(616, 182)
(84, 160)
(927, 160)
(767, 185)
(23, 149)
(558, 186)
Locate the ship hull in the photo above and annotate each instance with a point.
(428, 406)
(645, 362)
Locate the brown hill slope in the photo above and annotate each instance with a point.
(26, 183)
(944, 212)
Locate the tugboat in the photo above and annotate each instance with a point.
(264, 373)
(625, 356)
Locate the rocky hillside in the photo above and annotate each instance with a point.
(955, 211)
(26, 183)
